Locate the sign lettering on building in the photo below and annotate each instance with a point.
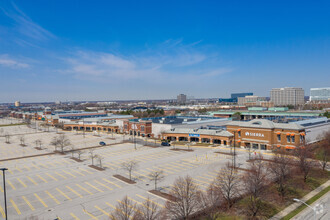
(193, 135)
(254, 134)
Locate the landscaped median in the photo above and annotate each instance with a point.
(6, 125)
(309, 202)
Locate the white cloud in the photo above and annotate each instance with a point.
(24, 24)
(9, 62)
(168, 61)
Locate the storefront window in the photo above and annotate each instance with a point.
(255, 146)
(279, 138)
(239, 133)
(288, 139)
(142, 128)
(262, 146)
(292, 139)
(302, 138)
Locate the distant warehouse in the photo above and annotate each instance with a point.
(154, 127)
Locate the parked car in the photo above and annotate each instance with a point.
(165, 144)
(102, 143)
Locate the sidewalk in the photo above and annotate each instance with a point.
(295, 205)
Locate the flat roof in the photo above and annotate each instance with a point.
(264, 123)
(181, 119)
(200, 131)
(269, 113)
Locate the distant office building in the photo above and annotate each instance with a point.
(287, 96)
(236, 95)
(17, 104)
(320, 94)
(182, 99)
(227, 100)
(250, 99)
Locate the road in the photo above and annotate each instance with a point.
(308, 214)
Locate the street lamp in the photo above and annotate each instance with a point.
(314, 211)
(4, 189)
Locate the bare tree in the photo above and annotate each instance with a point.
(125, 210)
(55, 143)
(61, 141)
(92, 155)
(188, 145)
(187, 199)
(156, 176)
(7, 137)
(99, 158)
(227, 183)
(147, 211)
(72, 150)
(250, 152)
(280, 168)
(324, 151)
(305, 163)
(211, 201)
(254, 182)
(80, 152)
(130, 166)
(38, 143)
(22, 140)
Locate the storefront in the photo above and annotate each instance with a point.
(263, 134)
(207, 136)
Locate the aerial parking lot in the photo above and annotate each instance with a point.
(48, 185)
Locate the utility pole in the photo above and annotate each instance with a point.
(4, 189)
(83, 127)
(234, 157)
(134, 138)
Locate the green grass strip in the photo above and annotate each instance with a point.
(309, 202)
(12, 124)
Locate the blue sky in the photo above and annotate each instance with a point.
(110, 50)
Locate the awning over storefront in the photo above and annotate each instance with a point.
(290, 147)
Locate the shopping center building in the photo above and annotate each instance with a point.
(259, 134)
(266, 135)
(209, 136)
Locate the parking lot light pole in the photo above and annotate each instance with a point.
(234, 156)
(4, 189)
(314, 212)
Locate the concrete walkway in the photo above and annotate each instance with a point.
(295, 205)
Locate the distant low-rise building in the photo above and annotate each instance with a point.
(320, 94)
(234, 97)
(181, 99)
(287, 96)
